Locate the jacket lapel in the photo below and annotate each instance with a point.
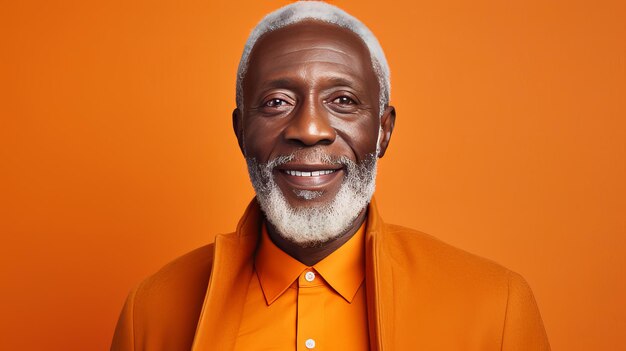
(378, 282)
(226, 294)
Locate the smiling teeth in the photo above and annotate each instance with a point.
(309, 174)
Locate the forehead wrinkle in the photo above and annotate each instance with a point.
(287, 73)
(312, 78)
(340, 69)
(314, 55)
(318, 47)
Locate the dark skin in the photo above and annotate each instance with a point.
(311, 86)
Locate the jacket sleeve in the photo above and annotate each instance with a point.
(123, 339)
(523, 327)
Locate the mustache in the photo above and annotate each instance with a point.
(316, 156)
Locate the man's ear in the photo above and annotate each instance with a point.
(387, 122)
(238, 128)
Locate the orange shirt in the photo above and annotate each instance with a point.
(290, 306)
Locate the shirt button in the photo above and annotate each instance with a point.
(310, 276)
(309, 343)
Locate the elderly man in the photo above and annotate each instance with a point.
(312, 266)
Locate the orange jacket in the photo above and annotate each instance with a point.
(422, 294)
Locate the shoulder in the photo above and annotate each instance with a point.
(443, 264)
(194, 264)
(448, 291)
(165, 307)
(186, 275)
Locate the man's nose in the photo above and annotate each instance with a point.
(310, 126)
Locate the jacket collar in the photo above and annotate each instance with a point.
(373, 282)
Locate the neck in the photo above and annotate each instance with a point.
(311, 255)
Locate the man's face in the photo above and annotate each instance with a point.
(311, 101)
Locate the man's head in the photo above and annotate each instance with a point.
(312, 118)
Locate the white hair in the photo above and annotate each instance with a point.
(319, 11)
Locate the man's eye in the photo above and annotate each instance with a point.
(343, 100)
(275, 103)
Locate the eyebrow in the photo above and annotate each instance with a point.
(278, 83)
(343, 81)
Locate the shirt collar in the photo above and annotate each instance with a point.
(343, 270)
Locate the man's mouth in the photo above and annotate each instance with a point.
(308, 174)
(309, 177)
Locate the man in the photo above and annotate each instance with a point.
(312, 265)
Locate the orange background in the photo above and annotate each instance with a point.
(117, 155)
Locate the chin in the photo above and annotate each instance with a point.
(313, 218)
(309, 198)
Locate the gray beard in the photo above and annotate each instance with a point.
(318, 223)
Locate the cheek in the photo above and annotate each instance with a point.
(361, 135)
(260, 137)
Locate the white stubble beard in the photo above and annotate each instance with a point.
(315, 224)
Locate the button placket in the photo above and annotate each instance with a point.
(311, 314)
